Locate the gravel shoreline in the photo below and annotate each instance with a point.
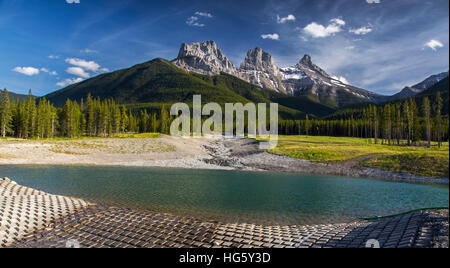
(214, 152)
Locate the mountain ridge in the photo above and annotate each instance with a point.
(313, 91)
(304, 79)
(418, 88)
(159, 81)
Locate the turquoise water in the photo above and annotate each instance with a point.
(232, 196)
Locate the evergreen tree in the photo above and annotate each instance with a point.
(439, 118)
(5, 113)
(426, 112)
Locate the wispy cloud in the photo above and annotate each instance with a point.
(434, 44)
(88, 51)
(361, 31)
(53, 57)
(45, 70)
(289, 17)
(69, 81)
(273, 36)
(72, 1)
(373, 1)
(78, 71)
(204, 14)
(195, 20)
(30, 71)
(316, 30)
(341, 79)
(86, 65)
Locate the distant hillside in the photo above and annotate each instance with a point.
(159, 81)
(442, 87)
(408, 92)
(14, 96)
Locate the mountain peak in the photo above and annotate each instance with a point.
(259, 68)
(306, 65)
(199, 49)
(204, 57)
(306, 60)
(258, 59)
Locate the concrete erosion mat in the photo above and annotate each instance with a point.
(31, 218)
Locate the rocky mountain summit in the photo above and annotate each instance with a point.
(303, 79)
(204, 58)
(259, 68)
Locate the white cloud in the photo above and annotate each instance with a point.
(274, 36)
(319, 31)
(361, 31)
(434, 44)
(341, 79)
(86, 65)
(78, 71)
(193, 21)
(53, 57)
(373, 1)
(289, 17)
(338, 21)
(26, 70)
(73, 1)
(104, 70)
(45, 70)
(350, 47)
(204, 14)
(69, 81)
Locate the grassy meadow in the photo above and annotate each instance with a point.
(419, 160)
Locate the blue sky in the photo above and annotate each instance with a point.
(379, 45)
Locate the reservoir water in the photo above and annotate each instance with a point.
(232, 196)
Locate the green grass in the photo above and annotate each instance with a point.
(130, 144)
(6, 156)
(120, 136)
(426, 164)
(139, 136)
(407, 159)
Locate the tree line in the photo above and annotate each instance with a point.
(92, 117)
(391, 123)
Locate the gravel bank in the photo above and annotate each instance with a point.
(245, 154)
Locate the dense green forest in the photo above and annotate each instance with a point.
(33, 118)
(422, 117)
(410, 121)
